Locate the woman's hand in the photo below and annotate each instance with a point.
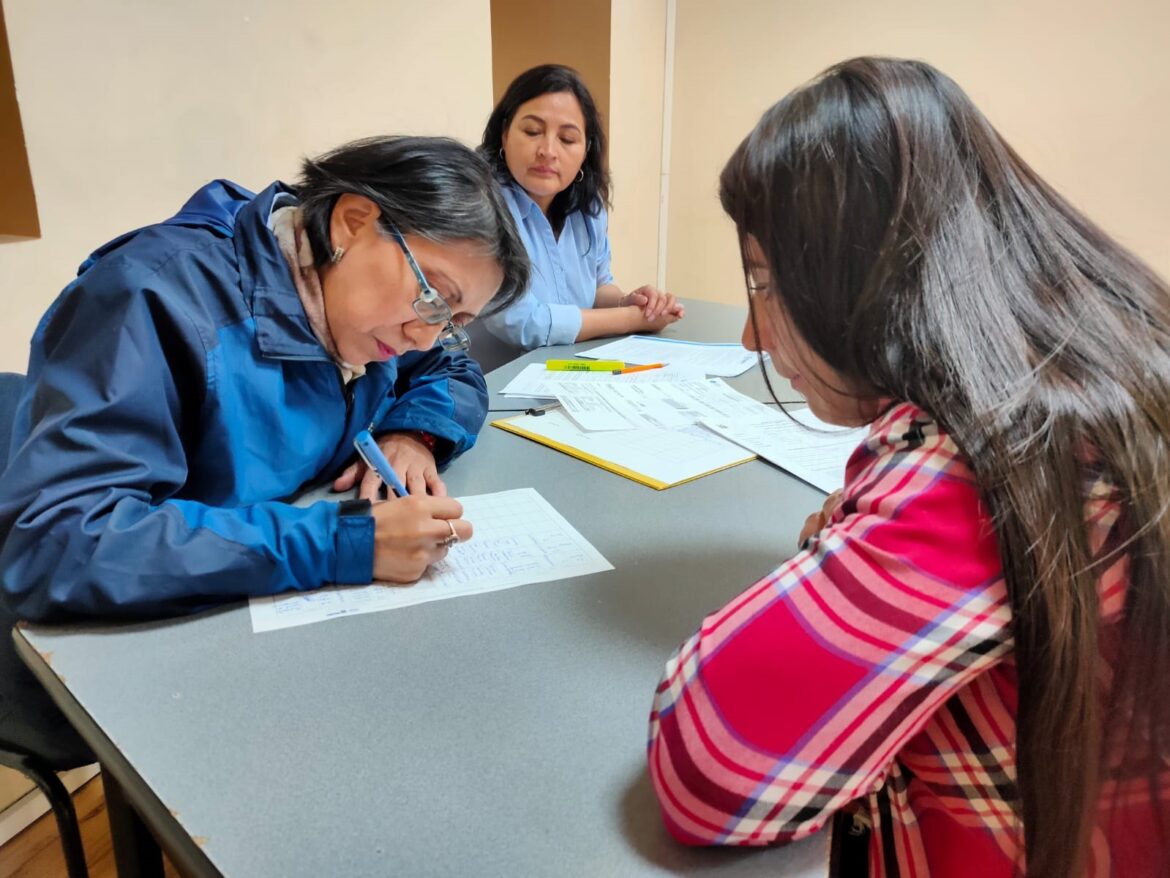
(412, 461)
(655, 303)
(414, 532)
(641, 323)
(816, 522)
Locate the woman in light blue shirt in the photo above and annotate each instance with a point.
(545, 142)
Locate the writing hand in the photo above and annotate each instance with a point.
(412, 533)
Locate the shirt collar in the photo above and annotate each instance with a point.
(523, 201)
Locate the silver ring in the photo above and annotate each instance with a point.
(448, 542)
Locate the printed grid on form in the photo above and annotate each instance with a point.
(519, 539)
(667, 405)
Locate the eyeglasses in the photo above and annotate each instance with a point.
(432, 308)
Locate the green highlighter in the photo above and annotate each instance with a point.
(583, 365)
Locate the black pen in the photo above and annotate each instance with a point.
(541, 409)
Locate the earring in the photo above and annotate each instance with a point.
(580, 175)
(338, 252)
(501, 152)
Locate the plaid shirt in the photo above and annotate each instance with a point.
(874, 666)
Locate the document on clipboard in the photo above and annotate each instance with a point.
(657, 457)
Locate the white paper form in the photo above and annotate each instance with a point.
(723, 360)
(817, 458)
(617, 406)
(536, 380)
(656, 457)
(519, 539)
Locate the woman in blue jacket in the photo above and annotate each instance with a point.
(203, 369)
(544, 141)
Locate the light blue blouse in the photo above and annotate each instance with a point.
(566, 273)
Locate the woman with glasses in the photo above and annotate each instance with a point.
(544, 142)
(969, 655)
(200, 371)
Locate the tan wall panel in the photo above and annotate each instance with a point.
(572, 32)
(128, 107)
(18, 203)
(1081, 89)
(637, 61)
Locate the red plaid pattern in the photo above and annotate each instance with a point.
(874, 666)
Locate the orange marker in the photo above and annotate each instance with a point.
(638, 368)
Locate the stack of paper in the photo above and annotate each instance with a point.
(536, 380)
(721, 360)
(662, 427)
(798, 442)
(647, 431)
(671, 404)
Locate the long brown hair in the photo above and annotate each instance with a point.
(923, 260)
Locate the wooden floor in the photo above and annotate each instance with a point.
(36, 852)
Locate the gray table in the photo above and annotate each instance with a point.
(705, 321)
(498, 734)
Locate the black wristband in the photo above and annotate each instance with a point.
(354, 507)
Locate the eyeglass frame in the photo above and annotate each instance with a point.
(431, 308)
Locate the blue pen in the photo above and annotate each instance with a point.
(369, 451)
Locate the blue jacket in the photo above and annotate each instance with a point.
(176, 393)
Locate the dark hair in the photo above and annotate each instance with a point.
(591, 193)
(433, 187)
(923, 260)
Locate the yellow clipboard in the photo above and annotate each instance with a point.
(528, 427)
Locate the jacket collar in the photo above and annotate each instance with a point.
(282, 329)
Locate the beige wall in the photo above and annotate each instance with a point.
(1081, 89)
(637, 59)
(129, 106)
